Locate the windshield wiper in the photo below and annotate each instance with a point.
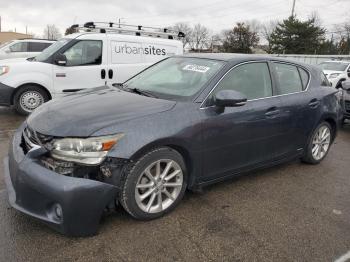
(134, 90)
(142, 92)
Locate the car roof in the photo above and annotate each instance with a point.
(239, 58)
(125, 37)
(35, 40)
(337, 61)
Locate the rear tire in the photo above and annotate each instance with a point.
(154, 185)
(319, 144)
(28, 98)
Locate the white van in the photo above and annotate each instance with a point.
(23, 48)
(79, 61)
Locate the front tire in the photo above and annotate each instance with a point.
(29, 98)
(319, 144)
(154, 185)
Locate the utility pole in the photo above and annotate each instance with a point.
(293, 8)
(0, 23)
(120, 21)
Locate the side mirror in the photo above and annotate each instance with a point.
(345, 85)
(229, 98)
(7, 51)
(60, 59)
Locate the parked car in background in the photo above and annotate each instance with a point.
(345, 99)
(183, 123)
(79, 61)
(23, 48)
(336, 71)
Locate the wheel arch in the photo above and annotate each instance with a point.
(333, 125)
(19, 88)
(178, 146)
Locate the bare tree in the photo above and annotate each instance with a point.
(200, 37)
(241, 39)
(186, 29)
(266, 31)
(52, 32)
(254, 25)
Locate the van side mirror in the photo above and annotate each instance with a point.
(345, 85)
(229, 98)
(60, 59)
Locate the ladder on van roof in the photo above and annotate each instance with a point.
(139, 30)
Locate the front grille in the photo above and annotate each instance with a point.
(32, 139)
(347, 106)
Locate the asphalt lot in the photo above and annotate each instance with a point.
(293, 212)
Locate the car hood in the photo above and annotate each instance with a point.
(85, 112)
(12, 61)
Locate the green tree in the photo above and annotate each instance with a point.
(240, 39)
(328, 47)
(293, 36)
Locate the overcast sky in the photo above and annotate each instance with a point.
(215, 14)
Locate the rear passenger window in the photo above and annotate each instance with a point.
(304, 77)
(324, 80)
(288, 78)
(251, 79)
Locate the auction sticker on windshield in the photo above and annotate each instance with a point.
(196, 68)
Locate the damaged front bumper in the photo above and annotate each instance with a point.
(70, 205)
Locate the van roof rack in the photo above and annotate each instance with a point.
(139, 30)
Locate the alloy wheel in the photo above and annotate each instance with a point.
(158, 186)
(321, 142)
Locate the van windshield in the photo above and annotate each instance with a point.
(176, 77)
(334, 66)
(51, 50)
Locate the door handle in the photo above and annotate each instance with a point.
(110, 73)
(103, 74)
(314, 103)
(271, 112)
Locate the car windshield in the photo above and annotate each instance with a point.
(51, 49)
(5, 44)
(334, 66)
(176, 76)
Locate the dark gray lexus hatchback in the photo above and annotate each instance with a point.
(181, 124)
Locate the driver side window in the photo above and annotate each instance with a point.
(86, 52)
(252, 80)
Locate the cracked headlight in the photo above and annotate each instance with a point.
(4, 70)
(87, 151)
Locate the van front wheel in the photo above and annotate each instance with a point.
(29, 98)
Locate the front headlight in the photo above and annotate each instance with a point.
(87, 151)
(334, 75)
(4, 70)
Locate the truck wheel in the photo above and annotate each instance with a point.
(154, 185)
(319, 144)
(29, 98)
